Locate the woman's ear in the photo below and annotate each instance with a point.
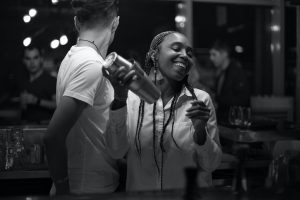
(153, 56)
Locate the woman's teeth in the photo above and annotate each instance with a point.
(180, 65)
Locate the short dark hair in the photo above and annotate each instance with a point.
(222, 45)
(32, 47)
(91, 11)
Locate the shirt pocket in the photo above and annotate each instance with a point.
(183, 134)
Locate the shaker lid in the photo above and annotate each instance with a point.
(110, 59)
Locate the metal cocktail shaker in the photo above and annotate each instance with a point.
(142, 86)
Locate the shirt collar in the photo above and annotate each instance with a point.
(185, 95)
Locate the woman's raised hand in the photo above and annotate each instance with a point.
(198, 111)
(120, 79)
(199, 114)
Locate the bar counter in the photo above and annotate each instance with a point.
(39, 173)
(254, 136)
(202, 194)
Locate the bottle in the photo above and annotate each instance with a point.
(142, 86)
(191, 191)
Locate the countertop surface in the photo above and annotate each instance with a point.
(203, 194)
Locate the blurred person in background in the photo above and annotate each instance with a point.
(179, 130)
(37, 89)
(75, 144)
(202, 76)
(51, 65)
(232, 84)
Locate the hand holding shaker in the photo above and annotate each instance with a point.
(142, 86)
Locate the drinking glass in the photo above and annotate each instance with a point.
(232, 115)
(235, 115)
(239, 116)
(247, 117)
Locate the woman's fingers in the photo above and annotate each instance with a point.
(198, 110)
(123, 76)
(198, 105)
(130, 76)
(198, 102)
(119, 73)
(198, 115)
(193, 108)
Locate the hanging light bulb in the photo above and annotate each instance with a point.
(63, 40)
(32, 12)
(26, 18)
(27, 41)
(54, 43)
(54, 1)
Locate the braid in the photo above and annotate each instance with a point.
(154, 138)
(153, 47)
(172, 110)
(172, 132)
(189, 87)
(138, 128)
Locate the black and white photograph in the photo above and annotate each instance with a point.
(150, 99)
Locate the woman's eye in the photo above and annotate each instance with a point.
(190, 53)
(176, 48)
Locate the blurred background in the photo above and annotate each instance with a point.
(263, 35)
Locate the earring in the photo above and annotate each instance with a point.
(153, 73)
(153, 59)
(157, 73)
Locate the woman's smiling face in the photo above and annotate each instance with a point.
(175, 57)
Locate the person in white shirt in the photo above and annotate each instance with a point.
(176, 132)
(75, 144)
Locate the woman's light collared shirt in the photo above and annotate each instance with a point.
(180, 150)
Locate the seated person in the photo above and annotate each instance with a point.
(37, 89)
(178, 131)
(232, 86)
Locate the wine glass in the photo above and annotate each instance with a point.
(247, 117)
(235, 115)
(239, 116)
(232, 115)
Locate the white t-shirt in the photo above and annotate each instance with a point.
(90, 168)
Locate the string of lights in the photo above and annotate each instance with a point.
(56, 42)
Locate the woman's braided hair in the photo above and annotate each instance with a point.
(149, 64)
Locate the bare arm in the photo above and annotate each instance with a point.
(206, 135)
(61, 123)
(116, 131)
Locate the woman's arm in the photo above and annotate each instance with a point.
(206, 135)
(116, 130)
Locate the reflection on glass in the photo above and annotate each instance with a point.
(235, 116)
(246, 117)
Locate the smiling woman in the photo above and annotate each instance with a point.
(176, 57)
(176, 132)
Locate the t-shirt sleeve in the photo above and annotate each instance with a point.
(85, 82)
